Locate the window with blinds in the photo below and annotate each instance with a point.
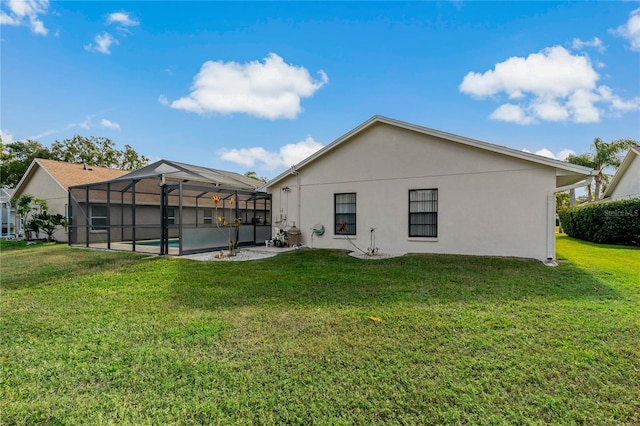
(98, 218)
(345, 214)
(423, 213)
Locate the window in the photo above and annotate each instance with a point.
(208, 215)
(423, 213)
(98, 218)
(171, 215)
(345, 214)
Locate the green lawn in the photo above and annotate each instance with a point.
(92, 337)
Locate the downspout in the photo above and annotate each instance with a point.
(551, 216)
(297, 174)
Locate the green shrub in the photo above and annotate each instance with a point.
(615, 222)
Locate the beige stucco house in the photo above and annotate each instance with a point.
(49, 180)
(626, 181)
(424, 191)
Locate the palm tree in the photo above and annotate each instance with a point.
(606, 154)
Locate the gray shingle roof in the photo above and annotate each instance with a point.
(174, 170)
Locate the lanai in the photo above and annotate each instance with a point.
(170, 208)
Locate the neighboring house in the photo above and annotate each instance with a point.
(424, 191)
(8, 219)
(49, 180)
(626, 181)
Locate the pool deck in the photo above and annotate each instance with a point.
(141, 248)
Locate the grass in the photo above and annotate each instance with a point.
(92, 337)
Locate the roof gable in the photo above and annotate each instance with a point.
(68, 174)
(634, 153)
(566, 172)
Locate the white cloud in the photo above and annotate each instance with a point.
(551, 85)
(86, 124)
(544, 152)
(630, 30)
(109, 124)
(562, 155)
(7, 137)
(271, 89)
(512, 113)
(43, 134)
(596, 43)
(549, 110)
(8, 20)
(617, 103)
(103, 43)
(122, 18)
(26, 12)
(287, 156)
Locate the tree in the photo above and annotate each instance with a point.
(253, 175)
(97, 151)
(562, 201)
(607, 154)
(581, 160)
(131, 160)
(26, 206)
(15, 159)
(48, 223)
(604, 155)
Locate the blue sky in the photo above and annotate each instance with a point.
(259, 86)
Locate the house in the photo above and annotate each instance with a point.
(424, 191)
(49, 180)
(626, 181)
(169, 207)
(7, 214)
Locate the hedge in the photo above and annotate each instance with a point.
(614, 222)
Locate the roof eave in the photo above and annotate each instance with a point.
(557, 164)
(29, 173)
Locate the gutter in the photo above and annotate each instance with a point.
(551, 217)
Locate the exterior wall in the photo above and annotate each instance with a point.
(41, 185)
(489, 204)
(629, 184)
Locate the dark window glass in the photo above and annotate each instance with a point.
(98, 218)
(423, 213)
